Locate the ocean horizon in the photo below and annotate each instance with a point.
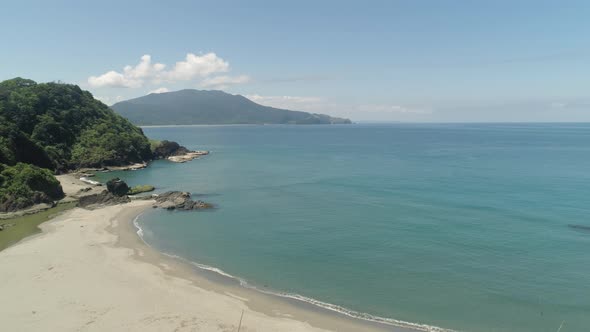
(465, 226)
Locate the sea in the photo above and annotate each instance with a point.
(468, 227)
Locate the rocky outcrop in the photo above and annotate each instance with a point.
(130, 167)
(178, 200)
(175, 152)
(98, 200)
(11, 203)
(187, 156)
(166, 149)
(117, 187)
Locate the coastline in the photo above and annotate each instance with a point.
(318, 314)
(90, 270)
(285, 311)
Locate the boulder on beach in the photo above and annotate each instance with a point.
(117, 187)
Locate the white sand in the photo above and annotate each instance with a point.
(72, 186)
(88, 271)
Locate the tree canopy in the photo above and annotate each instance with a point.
(56, 127)
(59, 126)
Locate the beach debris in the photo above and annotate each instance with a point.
(241, 316)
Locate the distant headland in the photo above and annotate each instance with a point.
(188, 107)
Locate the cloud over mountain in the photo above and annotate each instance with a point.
(193, 66)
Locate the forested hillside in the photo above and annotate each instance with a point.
(186, 107)
(60, 127)
(49, 128)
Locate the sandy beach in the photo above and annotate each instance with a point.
(89, 271)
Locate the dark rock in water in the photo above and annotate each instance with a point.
(580, 228)
(168, 148)
(117, 187)
(179, 200)
(104, 198)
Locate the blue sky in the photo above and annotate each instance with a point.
(368, 60)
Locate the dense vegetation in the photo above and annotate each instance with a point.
(140, 189)
(55, 127)
(60, 127)
(210, 107)
(23, 185)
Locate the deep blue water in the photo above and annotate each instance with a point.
(463, 226)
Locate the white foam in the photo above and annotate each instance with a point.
(139, 229)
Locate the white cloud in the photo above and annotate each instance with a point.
(109, 100)
(144, 69)
(221, 82)
(193, 67)
(196, 66)
(113, 79)
(159, 90)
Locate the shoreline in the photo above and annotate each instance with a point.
(122, 225)
(53, 279)
(265, 301)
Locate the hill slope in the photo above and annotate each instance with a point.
(54, 127)
(210, 107)
(60, 127)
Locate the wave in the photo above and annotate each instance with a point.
(139, 229)
(298, 297)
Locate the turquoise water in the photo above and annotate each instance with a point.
(461, 226)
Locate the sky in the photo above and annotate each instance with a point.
(410, 61)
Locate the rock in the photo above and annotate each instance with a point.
(179, 200)
(132, 167)
(117, 187)
(187, 156)
(104, 198)
(12, 203)
(166, 149)
(83, 190)
(174, 152)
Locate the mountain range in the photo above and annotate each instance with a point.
(189, 107)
